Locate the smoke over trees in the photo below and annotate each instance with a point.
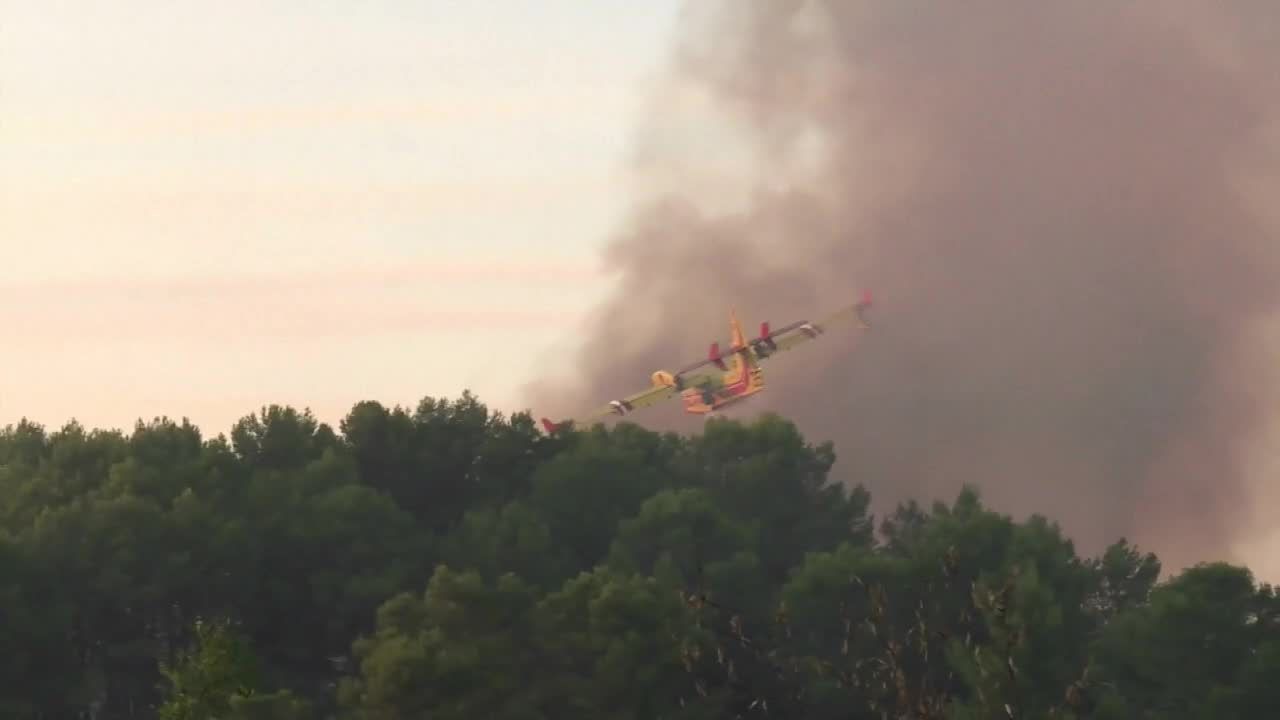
(1056, 205)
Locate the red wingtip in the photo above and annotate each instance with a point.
(866, 297)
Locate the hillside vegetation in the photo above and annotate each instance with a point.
(448, 562)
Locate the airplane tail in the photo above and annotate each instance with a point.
(551, 427)
(737, 340)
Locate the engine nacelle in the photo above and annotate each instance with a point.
(713, 354)
(764, 339)
(662, 378)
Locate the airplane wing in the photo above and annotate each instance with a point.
(799, 333)
(796, 333)
(644, 398)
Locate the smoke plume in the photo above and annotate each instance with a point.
(1060, 208)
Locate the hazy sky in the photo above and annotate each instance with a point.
(205, 207)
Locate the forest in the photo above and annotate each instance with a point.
(445, 561)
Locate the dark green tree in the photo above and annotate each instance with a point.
(608, 572)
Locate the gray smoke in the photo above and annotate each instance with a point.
(1055, 205)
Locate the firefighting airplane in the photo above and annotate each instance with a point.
(740, 375)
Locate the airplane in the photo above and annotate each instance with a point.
(739, 376)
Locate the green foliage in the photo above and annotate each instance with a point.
(1199, 649)
(1125, 578)
(37, 670)
(446, 561)
(204, 681)
(765, 474)
(685, 529)
(279, 705)
(513, 538)
(461, 650)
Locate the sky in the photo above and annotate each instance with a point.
(208, 207)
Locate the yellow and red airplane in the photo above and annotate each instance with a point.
(740, 374)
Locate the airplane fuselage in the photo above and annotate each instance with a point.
(741, 379)
(695, 401)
